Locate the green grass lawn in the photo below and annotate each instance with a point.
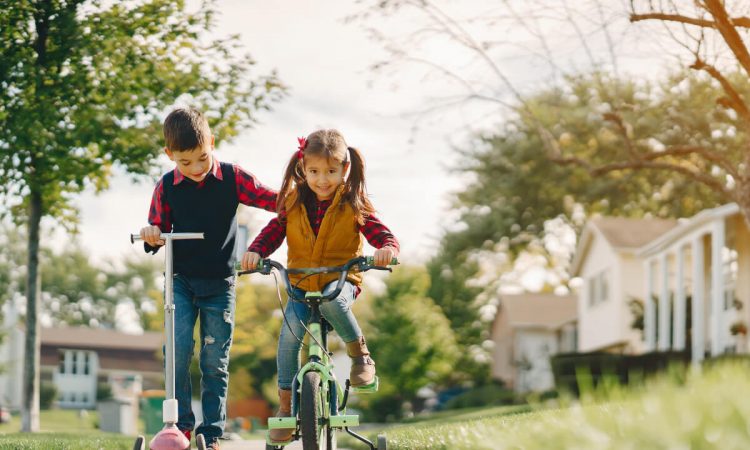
(708, 411)
(62, 429)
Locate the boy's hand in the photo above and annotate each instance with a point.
(151, 236)
(250, 260)
(383, 256)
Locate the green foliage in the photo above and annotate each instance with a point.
(47, 394)
(85, 86)
(703, 411)
(256, 332)
(411, 342)
(65, 441)
(103, 392)
(516, 190)
(76, 290)
(487, 395)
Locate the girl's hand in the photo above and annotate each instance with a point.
(152, 236)
(250, 260)
(383, 256)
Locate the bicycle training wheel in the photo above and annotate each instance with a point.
(311, 412)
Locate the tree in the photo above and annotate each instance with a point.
(84, 86)
(411, 342)
(666, 149)
(711, 153)
(77, 291)
(256, 334)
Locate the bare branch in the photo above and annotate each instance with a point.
(698, 176)
(742, 22)
(726, 27)
(622, 129)
(735, 100)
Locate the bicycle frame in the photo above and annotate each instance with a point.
(319, 358)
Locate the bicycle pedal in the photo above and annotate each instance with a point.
(282, 422)
(368, 388)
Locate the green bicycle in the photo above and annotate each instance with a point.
(318, 399)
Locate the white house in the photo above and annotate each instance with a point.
(697, 277)
(607, 260)
(527, 330)
(78, 359)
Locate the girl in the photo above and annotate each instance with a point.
(323, 213)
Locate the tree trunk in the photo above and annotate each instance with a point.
(30, 406)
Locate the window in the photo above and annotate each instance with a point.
(74, 363)
(598, 288)
(61, 367)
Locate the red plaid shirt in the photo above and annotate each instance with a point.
(250, 192)
(271, 237)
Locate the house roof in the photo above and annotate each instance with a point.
(677, 233)
(623, 235)
(80, 337)
(544, 310)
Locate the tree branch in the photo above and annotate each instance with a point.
(735, 100)
(742, 22)
(726, 27)
(700, 177)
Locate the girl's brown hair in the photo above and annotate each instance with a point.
(328, 144)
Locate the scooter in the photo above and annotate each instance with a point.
(170, 437)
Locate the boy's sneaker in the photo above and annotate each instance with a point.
(213, 445)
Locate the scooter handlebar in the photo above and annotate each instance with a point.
(173, 236)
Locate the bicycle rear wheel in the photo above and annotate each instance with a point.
(314, 436)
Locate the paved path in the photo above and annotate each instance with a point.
(257, 445)
(254, 445)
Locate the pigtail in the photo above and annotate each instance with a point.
(356, 189)
(293, 180)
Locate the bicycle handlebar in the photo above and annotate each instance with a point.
(360, 263)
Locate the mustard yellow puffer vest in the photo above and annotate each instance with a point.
(337, 242)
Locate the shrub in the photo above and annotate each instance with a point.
(47, 394)
(487, 395)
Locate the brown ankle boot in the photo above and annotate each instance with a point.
(285, 410)
(363, 367)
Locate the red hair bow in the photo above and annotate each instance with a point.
(302, 144)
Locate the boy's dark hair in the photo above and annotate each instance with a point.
(186, 129)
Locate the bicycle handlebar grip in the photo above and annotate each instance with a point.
(370, 260)
(262, 265)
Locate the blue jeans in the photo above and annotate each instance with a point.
(337, 312)
(213, 300)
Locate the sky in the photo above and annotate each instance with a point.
(325, 61)
(325, 64)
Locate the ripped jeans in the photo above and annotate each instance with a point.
(337, 312)
(213, 300)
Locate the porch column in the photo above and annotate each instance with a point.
(664, 313)
(698, 321)
(649, 309)
(717, 286)
(678, 326)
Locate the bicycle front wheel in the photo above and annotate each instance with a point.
(311, 413)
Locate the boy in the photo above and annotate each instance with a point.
(201, 195)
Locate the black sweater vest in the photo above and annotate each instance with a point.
(211, 209)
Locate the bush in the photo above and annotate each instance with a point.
(574, 371)
(487, 395)
(103, 392)
(47, 394)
